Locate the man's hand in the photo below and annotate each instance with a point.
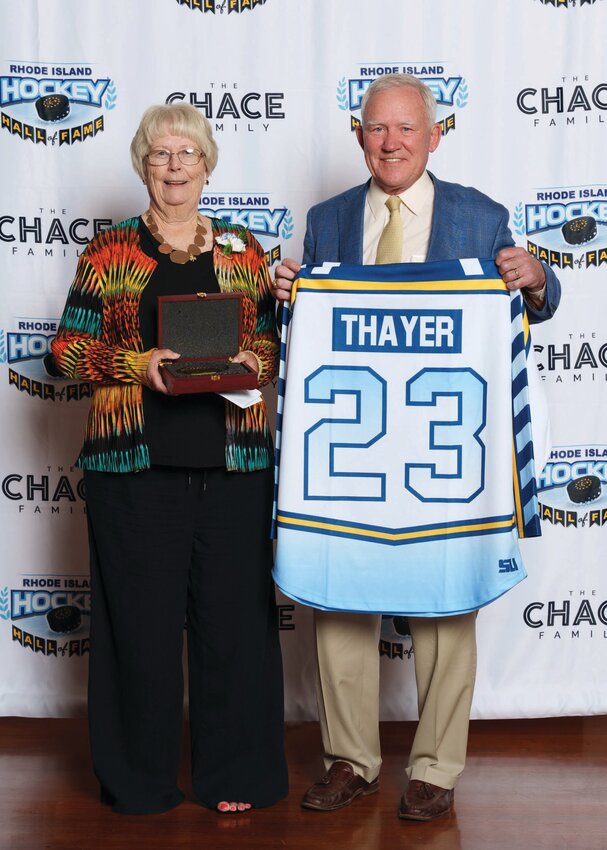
(283, 279)
(519, 270)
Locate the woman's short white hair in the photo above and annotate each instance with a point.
(180, 119)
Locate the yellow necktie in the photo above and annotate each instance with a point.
(390, 245)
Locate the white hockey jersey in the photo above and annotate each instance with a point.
(405, 468)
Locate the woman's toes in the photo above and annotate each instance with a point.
(224, 806)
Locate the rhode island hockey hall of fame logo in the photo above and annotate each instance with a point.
(567, 4)
(26, 352)
(221, 7)
(395, 638)
(450, 89)
(48, 614)
(268, 221)
(54, 103)
(572, 488)
(565, 227)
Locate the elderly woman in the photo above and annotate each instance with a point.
(178, 492)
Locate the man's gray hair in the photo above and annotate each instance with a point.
(398, 81)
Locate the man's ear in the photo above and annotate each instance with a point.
(359, 136)
(436, 134)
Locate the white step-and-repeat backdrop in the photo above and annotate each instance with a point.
(522, 93)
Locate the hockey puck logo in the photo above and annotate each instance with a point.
(64, 619)
(53, 107)
(584, 489)
(579, 230)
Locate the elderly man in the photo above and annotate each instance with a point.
(404, 214)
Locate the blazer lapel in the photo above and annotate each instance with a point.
(350, 217)
(442, 236)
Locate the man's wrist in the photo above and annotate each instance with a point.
(536, 297)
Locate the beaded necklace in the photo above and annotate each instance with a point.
(176, 255)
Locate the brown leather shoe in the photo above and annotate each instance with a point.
(424, 801)
(338, 788)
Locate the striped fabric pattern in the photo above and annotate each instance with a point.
(98, 340)
(525, 487)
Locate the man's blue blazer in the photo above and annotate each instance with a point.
(465, 223)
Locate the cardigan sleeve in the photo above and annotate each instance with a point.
(246, 271)
(263, 342)
(90, 341)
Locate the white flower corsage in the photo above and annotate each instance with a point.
(230, 244)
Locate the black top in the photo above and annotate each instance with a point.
(183, 430)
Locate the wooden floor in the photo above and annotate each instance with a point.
(530, 784)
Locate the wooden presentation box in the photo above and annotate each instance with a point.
(206, 330)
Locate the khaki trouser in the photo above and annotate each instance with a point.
(348, 692)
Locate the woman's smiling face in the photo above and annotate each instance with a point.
(174, 185)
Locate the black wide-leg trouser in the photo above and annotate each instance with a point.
(170, 546)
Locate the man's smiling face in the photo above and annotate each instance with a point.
(397, 138)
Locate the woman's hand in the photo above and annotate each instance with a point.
(249, 359)
(153, 376)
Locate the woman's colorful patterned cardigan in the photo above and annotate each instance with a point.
(98, 340)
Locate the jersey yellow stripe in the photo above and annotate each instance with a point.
(460, 286)
(416, 534)
(518, 510)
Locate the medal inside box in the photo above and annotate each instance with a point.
(206, 330)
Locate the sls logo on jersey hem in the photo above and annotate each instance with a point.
(403, 400)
